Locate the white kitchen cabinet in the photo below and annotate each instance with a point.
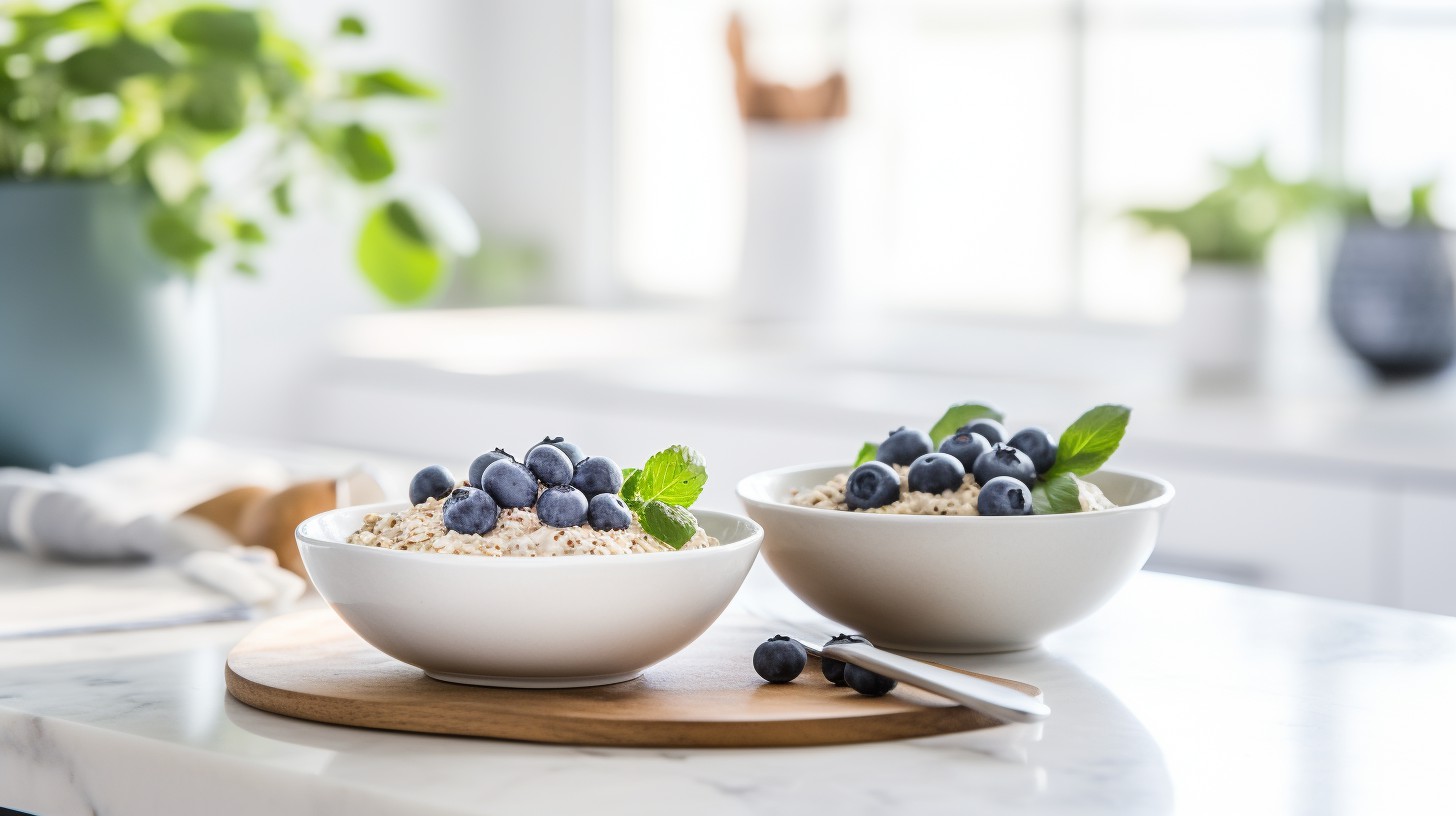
(1320, 537)
(1426, 557)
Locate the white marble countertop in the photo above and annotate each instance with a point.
(1181, 696)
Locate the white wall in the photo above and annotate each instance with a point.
(520, 138)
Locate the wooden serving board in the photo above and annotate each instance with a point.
(312, 666)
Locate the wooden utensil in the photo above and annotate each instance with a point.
(259, 517)
(759, 100)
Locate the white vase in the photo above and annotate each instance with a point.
(1223, 325)
(792, 232)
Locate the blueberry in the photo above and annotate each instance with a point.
(936, 473)
(484, 461)
(1003, 460)
(562, 506)
(834, 669)
(509, 483)
(779, 659)
(903, 446)
(1038, 445)
(989, 428)
(433, 482)
(965, 446)
(550, 465)
(607, 511)
(1004, 496)
(569, 448)
(867, 682)
(873, 484)
(470, 511)
(597, 474)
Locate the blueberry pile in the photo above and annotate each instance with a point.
(566, 487)
(1005, 468)
(781, 659)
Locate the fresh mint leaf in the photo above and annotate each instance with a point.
(1091, 440)
(628, 493)
(867, 453)
(1058, 494)
(672, 476)
(958, 415)
(670, 524)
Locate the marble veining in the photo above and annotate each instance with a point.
(1181, 696)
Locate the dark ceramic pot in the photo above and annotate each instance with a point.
(1392, 299)
(104, 350)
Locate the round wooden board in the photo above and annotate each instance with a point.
(312, 666)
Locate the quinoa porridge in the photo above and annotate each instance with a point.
(556, 500)
(518, 532)
(959, 502)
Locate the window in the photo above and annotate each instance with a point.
(992, 146)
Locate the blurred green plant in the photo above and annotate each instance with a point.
(1234, 223)
(138, 92)
(1355, 205)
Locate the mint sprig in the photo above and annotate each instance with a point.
(1057, 494)
(672, 476)
(661, 490)
(630, 477)
(867, 453)
(958, 415)
(1090, 441)
(670, 524)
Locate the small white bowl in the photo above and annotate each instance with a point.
(514, 622)
(955, 584)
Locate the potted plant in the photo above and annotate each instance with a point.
(1228, 232)
(1391, 291)
(115, 120)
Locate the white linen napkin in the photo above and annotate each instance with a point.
(107, 548)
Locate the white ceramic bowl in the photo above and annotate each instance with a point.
(955, 584)
(526, 622)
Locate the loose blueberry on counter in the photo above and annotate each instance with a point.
(1004, 496)
(1038, 445)
(867, 682)
(509, 483)
(550, 465)
(779, 659)
(483, 461)
(903, 446)
(572, 451)
(470, 511)
(989, 428)
(834, 669)
(562, 506)
(1004, 460)
(433, 482)
(965, 446)
(607, 511)
(597, 474)
(873, 484)
(936, 473)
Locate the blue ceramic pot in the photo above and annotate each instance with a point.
(1392, 300)
(104, 348)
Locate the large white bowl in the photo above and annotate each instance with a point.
(526, 622)
(955, 584)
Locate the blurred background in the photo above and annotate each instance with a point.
(406, 233)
